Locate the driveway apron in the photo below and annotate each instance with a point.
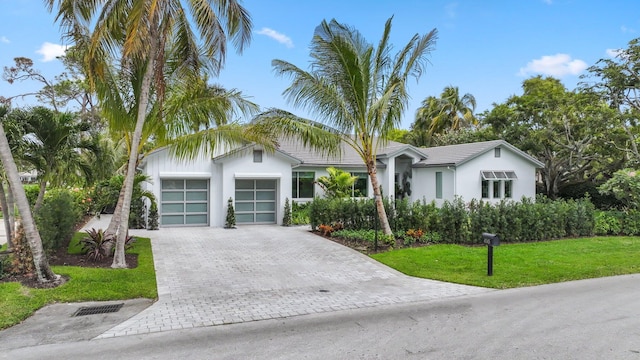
(212, 276)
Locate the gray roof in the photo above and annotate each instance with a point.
(348, 156)
(455, 155)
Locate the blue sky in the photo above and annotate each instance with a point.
(486, 48)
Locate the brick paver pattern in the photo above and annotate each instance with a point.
(213, 276)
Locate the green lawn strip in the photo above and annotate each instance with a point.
(517, 265)
(85, 284)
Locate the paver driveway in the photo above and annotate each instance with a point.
(211, 276)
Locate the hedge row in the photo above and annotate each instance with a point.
(463, 223)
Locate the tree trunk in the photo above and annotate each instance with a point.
(119, 260)
(11, 202)
(117, 214)
(5, 216)
(43, 271)
(40, 199)
(382, 214)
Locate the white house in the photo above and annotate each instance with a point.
(195, 193)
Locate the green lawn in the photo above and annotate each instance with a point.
(85, 284)
(517, 265)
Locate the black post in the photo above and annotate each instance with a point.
(490, 261)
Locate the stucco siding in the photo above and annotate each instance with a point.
(469, 178)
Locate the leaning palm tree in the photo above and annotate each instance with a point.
(42, 268)
(356, 91)
(142, 32)
(449, 112)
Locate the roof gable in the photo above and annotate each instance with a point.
(457, 155)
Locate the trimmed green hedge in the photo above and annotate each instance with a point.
(463, 223)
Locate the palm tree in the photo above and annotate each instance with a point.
(144, 32)
(449, 112)
(338, 184)
(357, 92)
(43, 270)
(56, 145)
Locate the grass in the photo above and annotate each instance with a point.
(85, 284)
(517, 265)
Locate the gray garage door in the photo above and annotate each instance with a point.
(255, 201)
(184, 202)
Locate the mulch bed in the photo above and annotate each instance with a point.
(62, 258)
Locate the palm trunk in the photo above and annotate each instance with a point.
(40, 199)
(11, 202)
(382, 213)
(5, 216)
(117, 214)
(43, 271)
(119, 260)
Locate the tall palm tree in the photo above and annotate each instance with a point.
(143, 32)
(449, 112)
(195, 116)
(43, 270)
(357, 92)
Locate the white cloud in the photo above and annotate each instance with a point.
(451, 10)
(627, 30)
(281, 38)
(4, 39)
(50, 51)
(557, 65)
(548, 2)
(613, 52)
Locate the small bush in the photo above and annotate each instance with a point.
(286, 218)
(96, 244)
(230, 221)
(152, 224)
(300, 213)
(57, 218)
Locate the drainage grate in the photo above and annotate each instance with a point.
(93, 310)
(323, 290)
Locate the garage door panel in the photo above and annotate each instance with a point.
(172, 208)
(255, 201)
(197, 195)
(244, 218)
(184, 202)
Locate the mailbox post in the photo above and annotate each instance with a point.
(491, 240)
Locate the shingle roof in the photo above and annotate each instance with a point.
(348, 156)
(459, 154)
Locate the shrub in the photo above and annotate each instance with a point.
(96, 244)
(300, 213)
(608, 223)
(57, 218)
(31, 190)
(152, 224)
(230, 221)
(286, 218)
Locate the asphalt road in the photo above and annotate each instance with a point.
(589, 319)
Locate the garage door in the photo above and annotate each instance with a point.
(184, 202)
(255, 201)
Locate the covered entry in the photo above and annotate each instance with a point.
(255, 201)
(184, 202)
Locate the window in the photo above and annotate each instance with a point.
(438, 185)
(496, 189)
(485, 189)
(257, 156)
(496, 152)
(360, 188)
(303, 186)
(508, 189)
